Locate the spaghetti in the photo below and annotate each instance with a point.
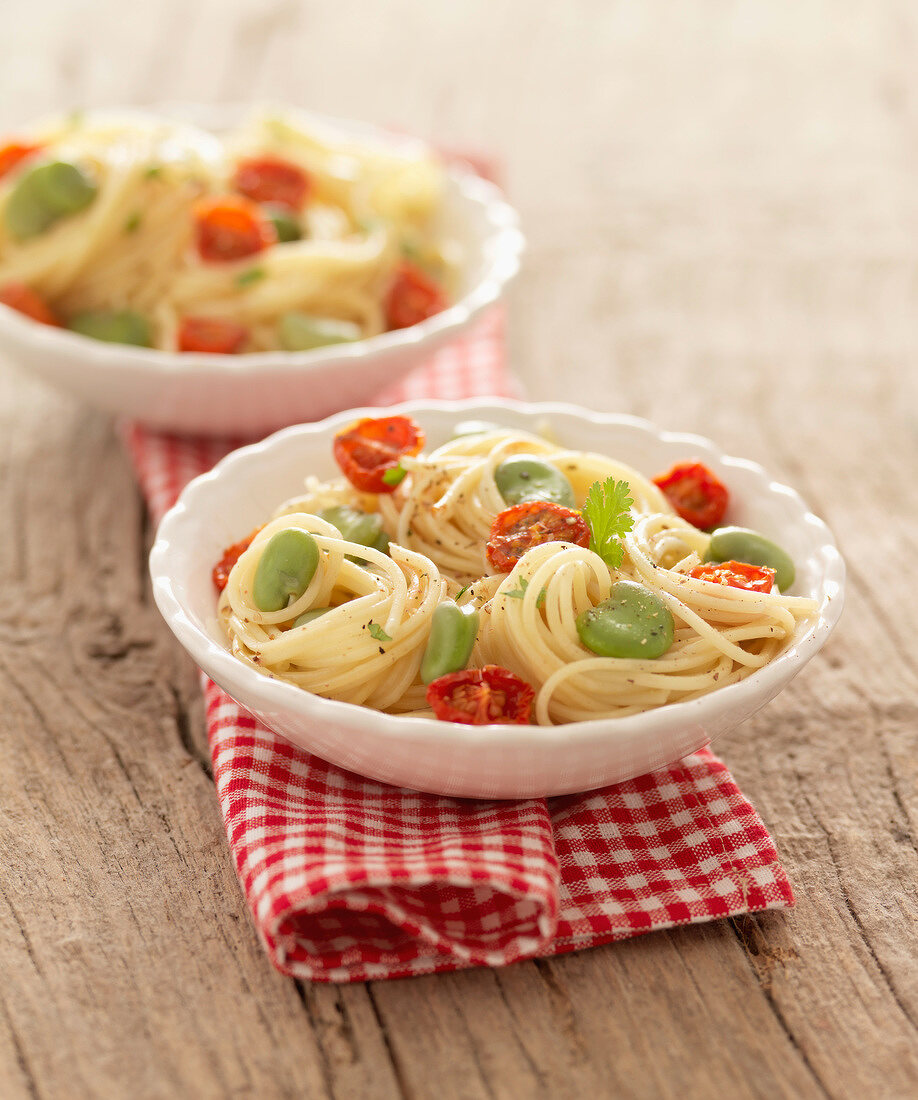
(281, 235)
(440, 520)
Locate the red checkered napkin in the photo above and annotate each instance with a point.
(348, 879)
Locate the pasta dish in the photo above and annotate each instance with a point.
(278, 236)
(504, 578)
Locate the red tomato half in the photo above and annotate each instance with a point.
(231, 555)
(13, 152)
(271, 180)
(696, 494)
(211, 334)
(736, 574)
(367, 448)
(24, 300)
(481, 696)
(413, 296)
(523, 526)
(230, 227)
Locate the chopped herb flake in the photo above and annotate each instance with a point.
(395, 475)
(377, 632)
(519, 593)
(252, 275)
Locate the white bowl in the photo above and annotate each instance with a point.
(258, 392)
(216, 509)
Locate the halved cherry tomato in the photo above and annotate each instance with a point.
(481, 696)
(211, 334)
(413, 296)
(271, 180)
(366, 449)
(24, 300)
(230, 227)
(231, 555)
(518, 529)
(696, 494)
(736, 574)
(15, 151)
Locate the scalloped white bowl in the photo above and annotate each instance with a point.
(486, 761)
(258, 392)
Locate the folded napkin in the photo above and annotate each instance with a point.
(348, 879)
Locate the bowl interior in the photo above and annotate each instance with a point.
(254, 481)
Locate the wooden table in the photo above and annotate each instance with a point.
(722, 214)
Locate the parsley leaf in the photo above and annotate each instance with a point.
(133, 222)
(252, 275)
(377, 632)
(606, 511)
(519, 593)
(394, 475)
(462, 591)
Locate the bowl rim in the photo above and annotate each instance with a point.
(502, 252)
(748, 694)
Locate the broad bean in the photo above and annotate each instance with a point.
(633, 622)
(287, 565)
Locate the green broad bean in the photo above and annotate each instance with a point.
(301, 332)
(381, 543)
(524, 478)
(287, 565)
(113, 326)
(309, 616)
(286, 224)
(633, 622)
(741, 544)
(356, 526)
(452, 636)
(45, 194)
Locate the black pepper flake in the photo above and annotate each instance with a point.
(381, 650)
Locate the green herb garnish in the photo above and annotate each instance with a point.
(252, 275)
(607, 512)
(395, 475)
(519, 593)
(377, 632)
(133, 222)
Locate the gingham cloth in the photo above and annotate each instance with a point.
(348, 879)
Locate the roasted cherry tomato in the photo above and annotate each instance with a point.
(366, 449)
(736, 574)
(481, 696)
(413, 296)
(13, 152)
(23, 299)
(696, 494)
(230, 227)
(211, 334)
(272, 180)
(231, 555)
(523, 526)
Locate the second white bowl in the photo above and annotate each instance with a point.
(254, 393)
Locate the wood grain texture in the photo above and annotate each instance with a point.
(722, 215)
